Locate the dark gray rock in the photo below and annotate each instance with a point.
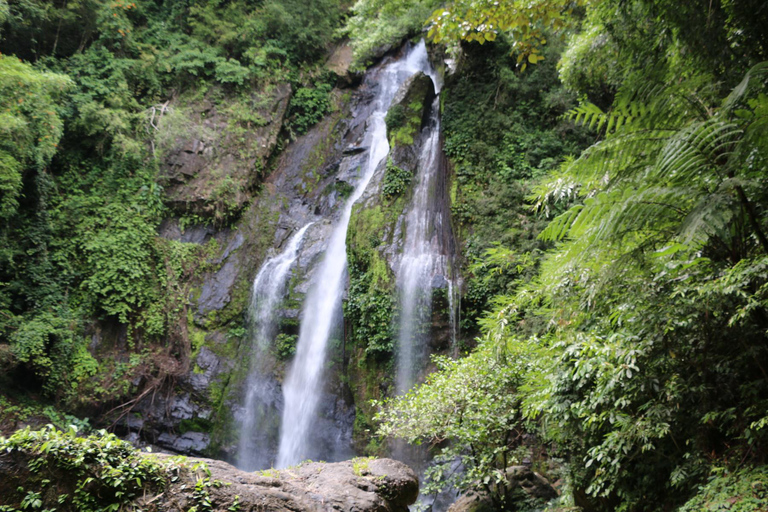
(216, 290)
(209, 364)
(191, 442)
(439, 282)
(181, 407)
(234, 244)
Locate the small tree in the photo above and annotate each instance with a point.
(471, 403)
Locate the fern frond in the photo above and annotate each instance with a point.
(695, 149)
(710, 217)
(753, 79)
(560, 226)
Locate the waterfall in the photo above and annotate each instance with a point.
(425, 264)
(267, 293)
(304, 384)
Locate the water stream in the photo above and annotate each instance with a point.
(259, 407)
(425, 265)
(303, 386)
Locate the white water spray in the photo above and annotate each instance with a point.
(425, 264)
(303, 386)
(267, 293)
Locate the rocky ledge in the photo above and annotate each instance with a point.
(359, 485)
(57, 470)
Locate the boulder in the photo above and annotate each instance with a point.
(359, 485)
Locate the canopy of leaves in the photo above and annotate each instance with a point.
(526, 22)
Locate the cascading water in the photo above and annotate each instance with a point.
(425, 273)
(425, 265)
(259, 407)
(303, 385)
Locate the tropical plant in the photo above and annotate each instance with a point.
(528, 23)
(471, 402)
(670, 170)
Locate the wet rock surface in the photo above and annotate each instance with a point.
(310, 181)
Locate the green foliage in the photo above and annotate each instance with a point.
(377, 24)
(529, 23)
(682, 182)
(403, 122)
(13, 413)
(79, 159)
(396, 181)
(119, 252)
(473, 402)
(45, 344)
(285, 346)
(638, 343)
(370, 303)
(371, 312)
(644, 296)
(742, 491)
(104, 472)
(360, 465)
(591, 63)
(396, 117)
(502, 131)
(308, 107)
(57, 470)
(301, 29)
(30, 125)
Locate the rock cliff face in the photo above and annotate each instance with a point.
(217, 151)
(307, 182)
(199, 412)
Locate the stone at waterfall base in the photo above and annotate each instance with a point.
(364, 485)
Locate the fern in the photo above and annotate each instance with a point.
(669, 172)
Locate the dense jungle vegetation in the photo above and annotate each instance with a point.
(83, 88)
(609, 189)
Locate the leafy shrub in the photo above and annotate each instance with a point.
(57, 470)
(396, 180)
(101, 471)
(285, 346)
(231, 72)
(47, 346)
(396, 117)
(743, 491)
(308, 107)
(471, 401)
(303, 29)
(376, 24)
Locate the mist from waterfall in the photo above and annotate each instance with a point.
(259, 409)
(304, 383)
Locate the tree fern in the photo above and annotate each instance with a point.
(669, 171)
